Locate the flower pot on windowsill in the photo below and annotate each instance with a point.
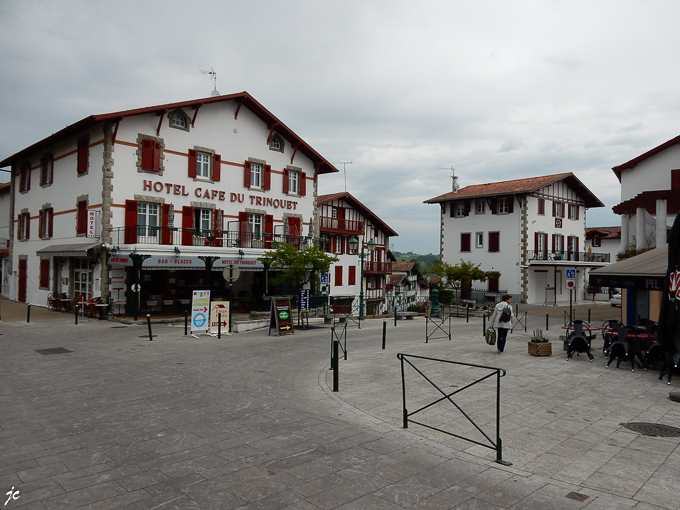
(540, 348)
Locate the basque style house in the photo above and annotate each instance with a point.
(529, 230)
(344, 222)
(407, 285)
(147, 205)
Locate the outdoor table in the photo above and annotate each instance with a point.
(101, 310)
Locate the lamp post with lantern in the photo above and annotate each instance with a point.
(353, 245)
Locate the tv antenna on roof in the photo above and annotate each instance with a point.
(214, 79)
(454, 179)
(344, 169)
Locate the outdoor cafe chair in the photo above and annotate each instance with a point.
(608, 328)
(579, 339)
(625, 347)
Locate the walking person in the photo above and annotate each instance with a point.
(501, 320)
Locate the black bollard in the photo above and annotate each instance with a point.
(332, 338)
(384, 333)
(148, 322)
(219, 325)
(484, 324)
(588, 315)
(546, 321)
(75, 311)
(28, 313)
(336, 381)
(186, 322)
(467, 314)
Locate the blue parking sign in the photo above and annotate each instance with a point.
(571, 274)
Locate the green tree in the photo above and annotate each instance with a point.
(297, 266)
(461, 276)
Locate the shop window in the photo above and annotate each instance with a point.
(82, 278)
(45, 274)
(46, 170)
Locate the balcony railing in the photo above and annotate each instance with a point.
(341, 225)
(176, 236)
(377, 267)
(568, 256)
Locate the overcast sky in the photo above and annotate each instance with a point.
(404, 89)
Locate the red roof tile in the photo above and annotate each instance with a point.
(519, 187)
(404, 265)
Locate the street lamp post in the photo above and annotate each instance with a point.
(353, 244)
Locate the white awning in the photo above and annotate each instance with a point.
(68, 250)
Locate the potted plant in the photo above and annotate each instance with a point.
(247, 303)
(539, 345)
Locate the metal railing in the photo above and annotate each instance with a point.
(567, 256)
(447, 396)
(341, 225)
(176, 236)
(377, 267)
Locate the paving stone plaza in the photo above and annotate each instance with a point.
(250, 421)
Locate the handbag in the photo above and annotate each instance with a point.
(490, 336)
(506, 315)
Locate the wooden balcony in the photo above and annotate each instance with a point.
(377, 268)
(341, 226)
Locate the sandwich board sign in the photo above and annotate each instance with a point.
(570, 275)
(280, 317)
(220, 308)
(200, 306)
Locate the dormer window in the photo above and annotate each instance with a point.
(276, 143)
(179, 120)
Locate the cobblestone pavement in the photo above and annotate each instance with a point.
(250, 421)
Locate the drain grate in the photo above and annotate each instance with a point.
(577, 496)
(653, 429)
(53, 350)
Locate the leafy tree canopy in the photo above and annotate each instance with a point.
(461, 275)
(297, 266)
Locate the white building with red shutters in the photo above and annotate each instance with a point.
(530, 230)
(163, 197)
(341, 219)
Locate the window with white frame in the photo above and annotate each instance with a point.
(339, 241)
(178, 121)
(203, 160)
(82, 277)
(255, 175)
(460, 210)
(255, 221)
(147, 218)
(479, 239)
(573, 211)
(480, 206)
(559, 243)
(293, 182)
(503, 206)
(559, 210)
(202, 219)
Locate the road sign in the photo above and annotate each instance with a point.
(325, 278)
(231, 273)
(571, 284)
(135, 287)
(200, 306)
(222, 308)
(570, 274)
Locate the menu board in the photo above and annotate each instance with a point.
(280, 318)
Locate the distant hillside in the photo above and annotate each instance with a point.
(425, 262)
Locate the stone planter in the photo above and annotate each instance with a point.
(540, 348)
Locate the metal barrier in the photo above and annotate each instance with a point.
(521, 320)
(438, 326)
(494, 371)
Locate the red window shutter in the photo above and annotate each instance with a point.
(553, 243)
(45, 273)
(536, 245)
(569, 211)
(286, 180)
(452, 209)
(352, 275)
(467, 207)
(493, 205)
(41, 222)
(156, 156)
(246, 174)
(494, 241)
(166, 235)
(493, 284)
(295, 230)
(83, 150)
(50, 221)
(268, 230)
(27, 219)
(81, 217)
(554, 209)
(217, 167)
(245, 234)
(187, 223)
(465, 242)
(147, 154)
(541, 206)
(267, 176)
(577, 211)
(675, 179)
(131, 221)
(192, 163)
(338, 276)
(303, 184)
(43, 171)
(511, 204)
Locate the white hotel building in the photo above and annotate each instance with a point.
(164, 197)
(529, 230)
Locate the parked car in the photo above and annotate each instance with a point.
(615, 299)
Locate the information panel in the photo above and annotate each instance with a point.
(200, 307)
(220, 308)
(280, 319)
